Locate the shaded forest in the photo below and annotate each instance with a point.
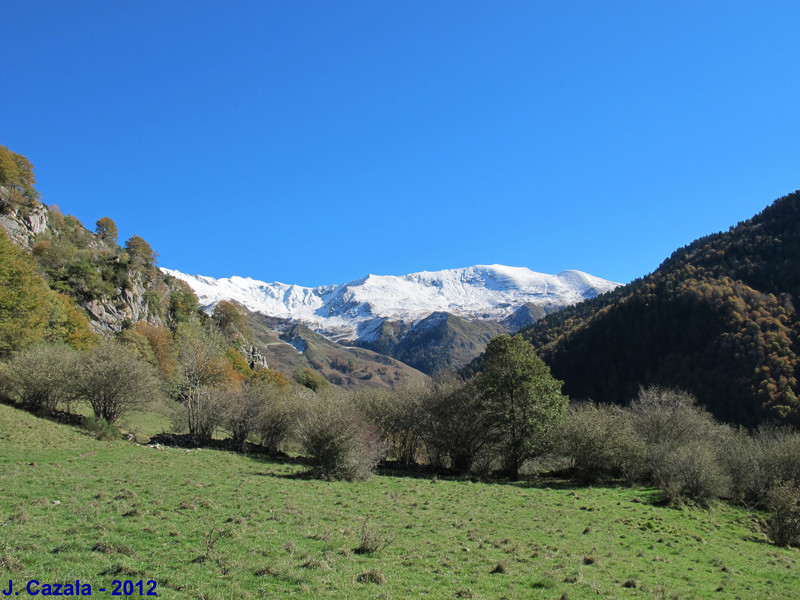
(717, 318)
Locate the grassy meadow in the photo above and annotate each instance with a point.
(211, 524)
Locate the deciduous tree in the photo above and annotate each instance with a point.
(140, 252)
(23, 299)
(106, 230)
(523, 401)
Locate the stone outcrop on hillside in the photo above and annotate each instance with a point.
(127, 306)
(22, 229)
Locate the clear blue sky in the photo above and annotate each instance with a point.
(315, 142)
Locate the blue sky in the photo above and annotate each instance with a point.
(315, 142)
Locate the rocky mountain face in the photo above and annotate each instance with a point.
(136, 299)
(23, 225)
(431, 321)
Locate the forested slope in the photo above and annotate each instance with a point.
(717, 318)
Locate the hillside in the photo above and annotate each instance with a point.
(717, 318)
(114, 285)
(289, 347)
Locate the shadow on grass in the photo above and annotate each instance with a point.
(56, 416)
(556, 480)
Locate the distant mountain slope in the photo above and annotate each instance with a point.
(430, 320)
(439, 342)
(289, 347)
(717, 318)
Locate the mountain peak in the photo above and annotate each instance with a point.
(344, 311)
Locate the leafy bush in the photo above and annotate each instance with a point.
(310, 379)
(340, 442)
(100, 428)
(455, 425)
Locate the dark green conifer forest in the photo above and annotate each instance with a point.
(717, 318)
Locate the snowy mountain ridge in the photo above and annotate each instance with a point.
(356, 310)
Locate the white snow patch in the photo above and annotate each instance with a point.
(357, 308)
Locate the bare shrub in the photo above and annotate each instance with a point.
(199, 366)
(39, 378)
(663, 415)
(205, 412)
(399, 415)
(688, 470)
(340, 442)
(278, 417)
(602, 443)
(783, 455)
(372, 539)
(748, 462)
(783, 525)
(242, 406)
(202, 415)
(113, 380)
(684, 443)
(756, 462)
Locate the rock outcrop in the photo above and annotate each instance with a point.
(23, 226)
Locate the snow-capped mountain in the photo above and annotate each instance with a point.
(357, 310)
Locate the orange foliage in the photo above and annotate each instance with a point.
(160, 340)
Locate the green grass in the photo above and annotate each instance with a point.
(208, 524)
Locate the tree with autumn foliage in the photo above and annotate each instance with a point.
(23, 299)
(231, 319)
(106, 230)
(140, 252)
(16, 175)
